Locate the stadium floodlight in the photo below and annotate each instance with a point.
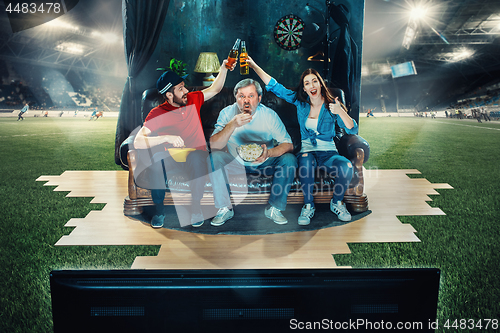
(418, 13)
(461, 54)
(72, 48)
(410, 34)
(58, 24)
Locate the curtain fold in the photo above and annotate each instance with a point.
(343, 69)
(142, 24)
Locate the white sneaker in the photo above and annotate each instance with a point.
(306, 214)
(340, 209)
(222, 216)
(274, 214)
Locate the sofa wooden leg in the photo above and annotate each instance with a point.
(132, 211)
(356, 204)
(131, 207)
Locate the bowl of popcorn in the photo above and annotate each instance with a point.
(250, 152)
(180, 154)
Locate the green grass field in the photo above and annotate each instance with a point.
(463, 244)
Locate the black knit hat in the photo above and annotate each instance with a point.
(168, 80)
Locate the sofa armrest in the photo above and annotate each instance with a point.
(124, 149)
(348, 145)
(357, 150)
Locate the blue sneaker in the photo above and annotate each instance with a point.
(197, 220)
(157, 221)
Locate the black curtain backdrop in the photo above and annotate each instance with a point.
(343, 69)
(142, 24)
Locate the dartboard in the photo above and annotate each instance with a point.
(288, 32)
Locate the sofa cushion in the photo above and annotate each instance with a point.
(251, 183)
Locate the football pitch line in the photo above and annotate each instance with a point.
(48, 134)
(491, 128)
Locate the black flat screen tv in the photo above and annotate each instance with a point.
(278, 300)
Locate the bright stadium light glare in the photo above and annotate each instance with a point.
(461, 54)
(418, 13)
(110, 37)
(61, 25)
(385, 69)
(72, 48)
(107, 37)
(365, 71)
(408, 38)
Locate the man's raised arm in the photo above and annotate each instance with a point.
(219, 81)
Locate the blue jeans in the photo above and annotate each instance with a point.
(337, 166)
(194, 168)
(282, 168)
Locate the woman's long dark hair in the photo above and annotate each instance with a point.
(301, 95)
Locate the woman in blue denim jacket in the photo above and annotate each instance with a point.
(317, 111)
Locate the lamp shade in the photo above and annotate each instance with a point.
(208, 62)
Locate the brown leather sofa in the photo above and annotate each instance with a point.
(355, 148)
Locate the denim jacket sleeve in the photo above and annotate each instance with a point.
(279, 90)
(353, 130)
(326, 124)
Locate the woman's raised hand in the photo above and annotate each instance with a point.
(259, 71)
(335, 107)
(250, 62)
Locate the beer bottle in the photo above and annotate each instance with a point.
(233, 54)
(244, 68)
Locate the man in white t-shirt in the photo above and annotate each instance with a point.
(244, 122)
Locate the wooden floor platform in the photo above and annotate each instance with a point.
(391, 193)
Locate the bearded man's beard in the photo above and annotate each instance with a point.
(180, 101)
